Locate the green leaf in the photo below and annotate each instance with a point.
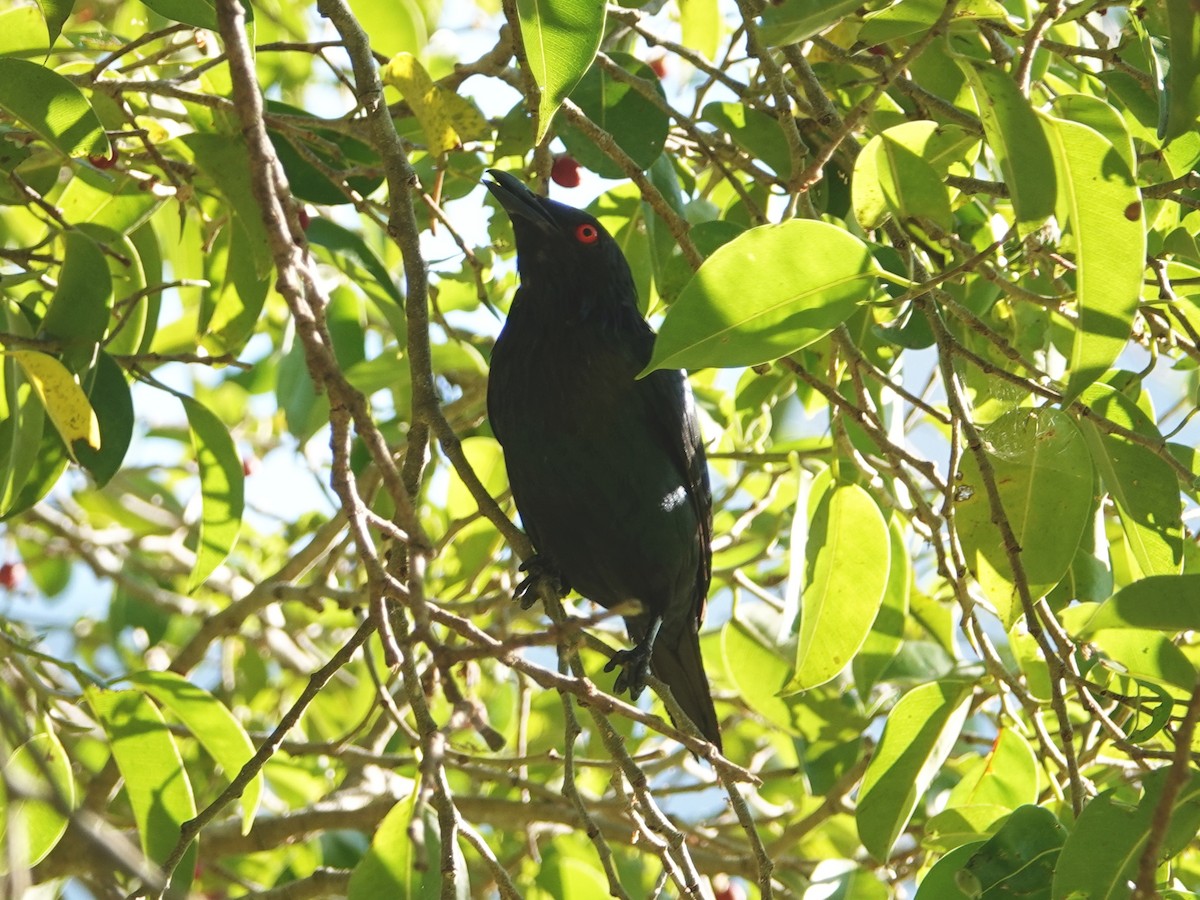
(197, 13)
(156, 782)
(224, 159)
(1104, 212)
(32, 828)
(394, 26)
(809, 277)
(902, 20)
(115, 203)
(394, 867)
(1182, 89)
(797, 20)
(637, 125)
(847, 562)
(561, 38)
(79, 310)
(917, 738)
(56, 13)
(1006, 776)
(52, 106)
(887, 632)
(891, 179)
(702, 27)
(108, 393)
(240, 299)
(337, 151)
(222, 486)
(1101, 853)
(1141, 484)
(754, 131)
(211, 723)
(343, 244)
(759, 675)
(1099, 116)
(1015, 136)
(941, 881)
(1044, 477)
(1162, 602)
(1018, 860)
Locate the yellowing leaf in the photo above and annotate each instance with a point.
(429, 104)
(65, 401)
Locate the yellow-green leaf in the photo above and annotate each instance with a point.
(64, 400)
(1104, 213)
(405, 73)
(156, 783)
(52, 106)
(212, 724)
(917, 739)
(222, 490)
(847, 562)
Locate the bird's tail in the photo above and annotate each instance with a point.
(682, 668)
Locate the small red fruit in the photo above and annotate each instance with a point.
(11, 575)
(659, 65)
(565, 172)
(304, 217)
(725, 889)
(105, 162)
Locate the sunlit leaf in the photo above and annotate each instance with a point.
(34, 827)
(808, 278)
(211, 723)
(919, 734)
(222, 486)
(1043, 474)
(1142, 485)
(156, 782)
(846, 575)
(52, 106)
(791, 21)
(1163, 602)
(561, 38)
(1104, 213)
(1015, 136)
(64, 400)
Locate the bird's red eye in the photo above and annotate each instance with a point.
(587, 234)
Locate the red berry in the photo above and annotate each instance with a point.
(878, 50)
(724, 889)
(304, 217)
(11, 575)
(565, 172)
(659, 65)
(105, 162)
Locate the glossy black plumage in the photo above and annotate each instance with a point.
(608, 471)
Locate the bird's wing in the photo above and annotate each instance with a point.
(671, 414)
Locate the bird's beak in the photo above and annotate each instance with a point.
(518, 201)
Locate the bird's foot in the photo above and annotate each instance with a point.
(541, 576)
(635, 667)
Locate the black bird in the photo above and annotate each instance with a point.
(607, 470)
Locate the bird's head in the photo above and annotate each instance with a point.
(563, 254)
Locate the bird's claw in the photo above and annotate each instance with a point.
(541, 576)
(635, 668)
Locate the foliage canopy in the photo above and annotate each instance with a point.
(933, 266)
